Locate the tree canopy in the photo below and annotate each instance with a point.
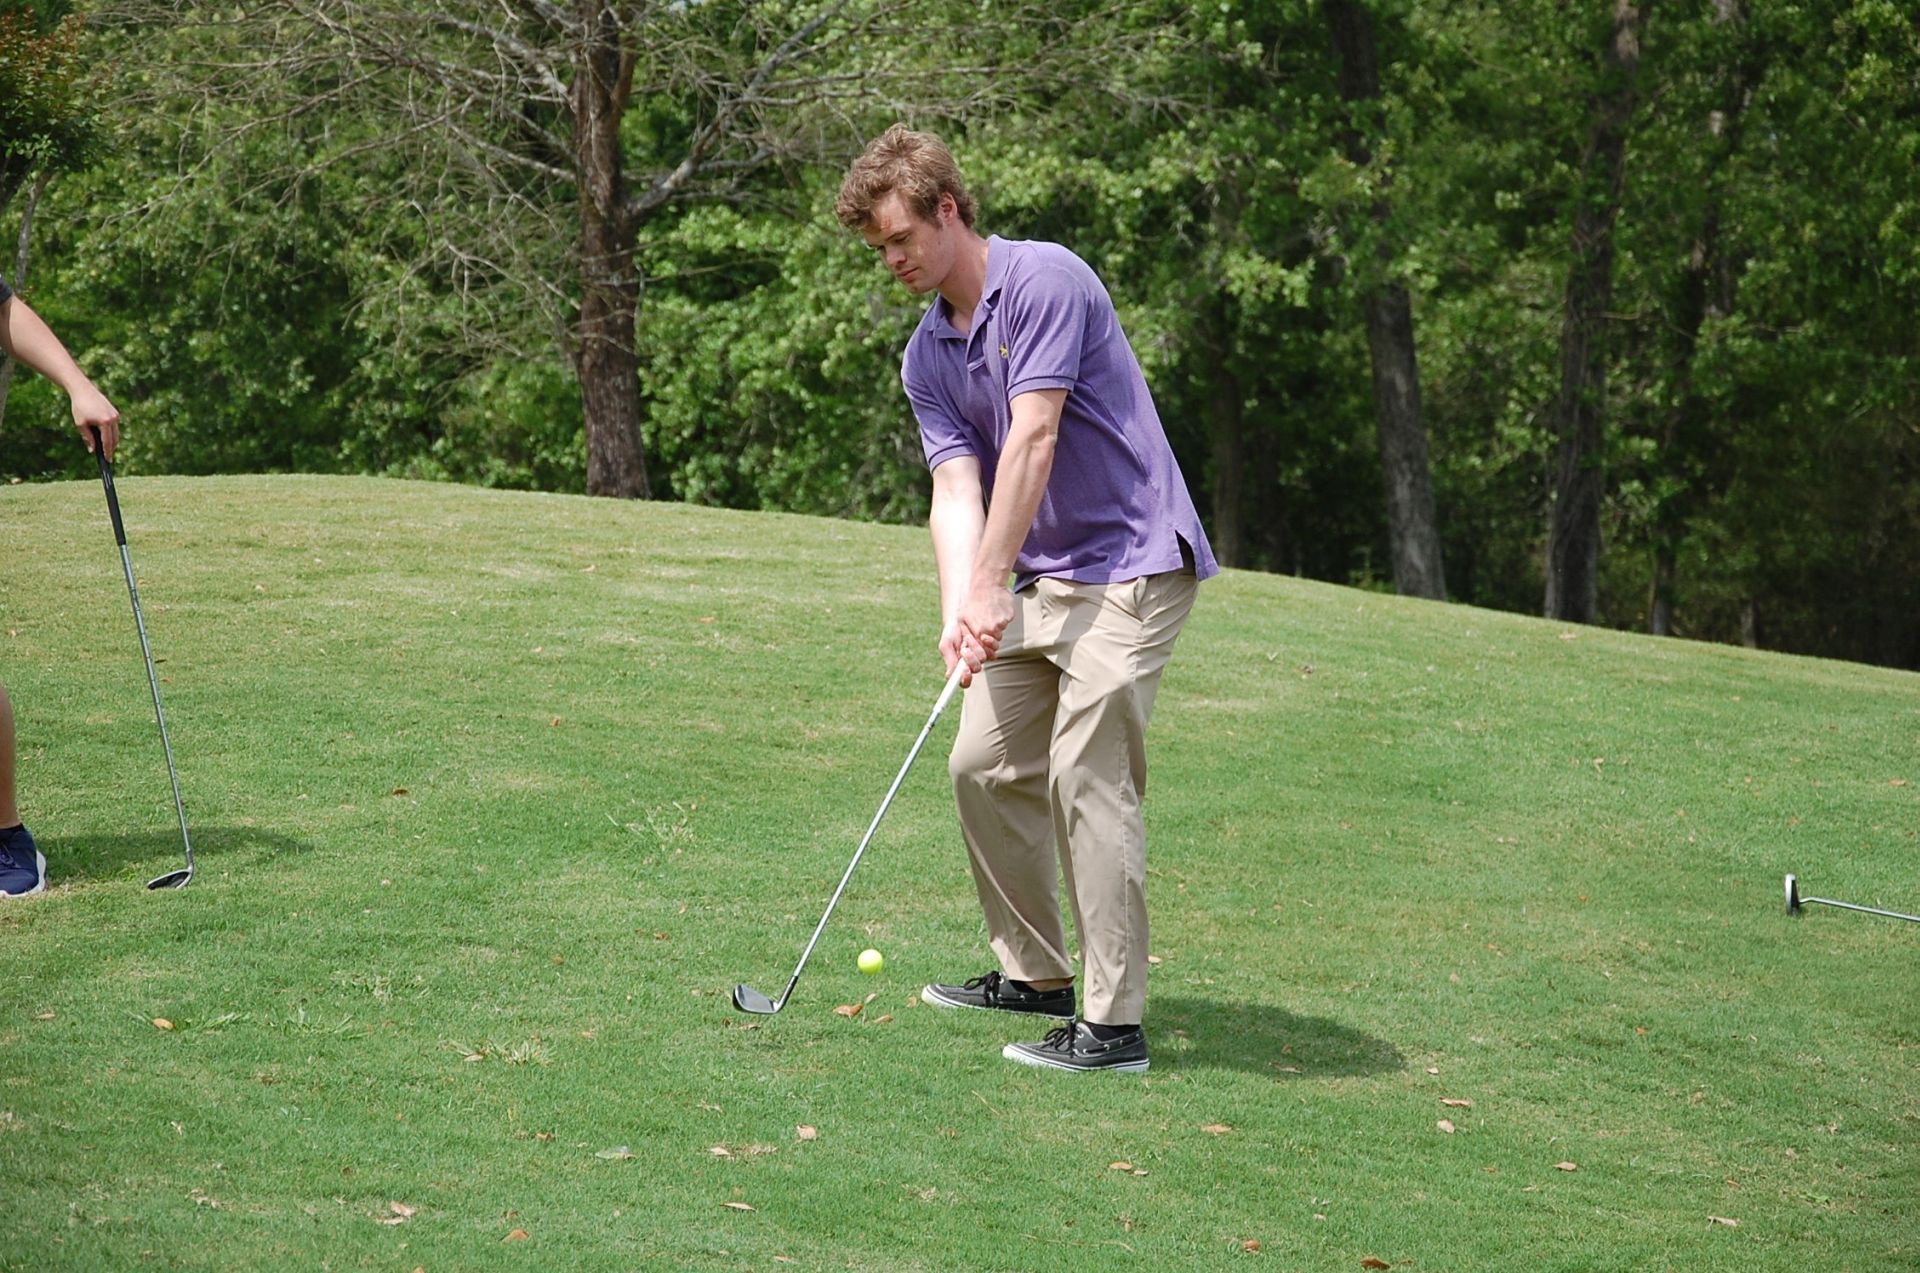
(383, 258)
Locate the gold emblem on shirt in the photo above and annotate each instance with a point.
(1003, 351)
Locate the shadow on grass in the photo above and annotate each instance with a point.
(77, 858)
(1261, 1039)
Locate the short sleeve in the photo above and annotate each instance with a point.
(1046, 330)
(942, 435)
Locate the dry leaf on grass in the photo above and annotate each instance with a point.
(1445, 1125)
(161, 1023)
(1455, 1102)
(848, 1010)
(804, 1132)
(1731, 1224)
(737, 1206)
(518, 1235)
(1217, 1129)
(1119, 1166)
(1372, 1262)
(721, 1151)
(1566, 1166)
(1251, 1244)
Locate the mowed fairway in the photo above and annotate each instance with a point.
(497, 795)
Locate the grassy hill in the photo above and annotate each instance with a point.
(496, 795)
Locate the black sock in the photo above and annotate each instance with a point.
(1026, 987)
(1108, 1033)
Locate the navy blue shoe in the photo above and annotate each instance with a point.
(23, 871)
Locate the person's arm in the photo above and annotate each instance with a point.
(1019, 484)
(27, 337)
(957, 520)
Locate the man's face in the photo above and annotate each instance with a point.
(920, 253)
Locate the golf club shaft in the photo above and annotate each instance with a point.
(1866, 910)
(953, 683)
(146, 650)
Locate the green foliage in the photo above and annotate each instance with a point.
(48, 116)
(771, 367)
(284, 313)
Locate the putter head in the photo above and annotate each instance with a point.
(747, 999)
(172, 879)
(1793, 896)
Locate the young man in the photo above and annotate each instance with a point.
(23, 870)
(1050, 465)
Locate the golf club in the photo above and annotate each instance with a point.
(745, 997)
(1795, 902)
(172, 879)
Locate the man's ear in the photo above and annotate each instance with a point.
(946, 213)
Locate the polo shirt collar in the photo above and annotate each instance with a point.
(998, 249)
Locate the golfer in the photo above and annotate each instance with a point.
(24, 336)
(1050, 466)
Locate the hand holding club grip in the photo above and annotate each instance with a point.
(106, 480)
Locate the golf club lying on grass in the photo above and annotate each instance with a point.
(172, 879)
(1795, 902)
(745, 997)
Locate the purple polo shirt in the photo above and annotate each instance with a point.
(6, 293)
(1116, 506)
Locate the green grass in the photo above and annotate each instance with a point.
(496, 795)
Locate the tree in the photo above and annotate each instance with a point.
(539, 143)
(1573, 536)
(1415, 537)
(47, 125)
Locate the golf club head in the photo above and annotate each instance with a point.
(1793, 896)
(172, 879)
(747, 999)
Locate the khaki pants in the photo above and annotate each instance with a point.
(1049, 765)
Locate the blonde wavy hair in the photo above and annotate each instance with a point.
(917, 166)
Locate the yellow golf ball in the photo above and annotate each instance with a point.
(871, 962)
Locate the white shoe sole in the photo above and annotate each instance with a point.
(1014, 1052)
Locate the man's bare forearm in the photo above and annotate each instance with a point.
(957, 519)
(26, 336)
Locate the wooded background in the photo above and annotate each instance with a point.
(1600, 310)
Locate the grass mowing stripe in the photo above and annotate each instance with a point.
(496, 795)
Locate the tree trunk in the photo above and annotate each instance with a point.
(605, 358)
(1417, 570)
(1573, 533)
(19, 277)
(1708, 289)
(1408, 478)
(1227, 430)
